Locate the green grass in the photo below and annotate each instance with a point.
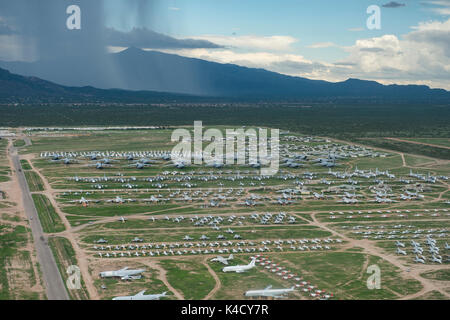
(19, 143)
(25, 164)
(445, 142)
(432, 295)
(113, 210)
(380, 163)
(419, 149)
(11, 240)
(65, 256)
(113, 287)
(440, 275)
(174, 235)
(344, 274)
(50, 220)
(234, 284)
(190, 277)
(412, 160)
(34, 181)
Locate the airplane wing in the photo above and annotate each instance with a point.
(140, 293)
(268, 287)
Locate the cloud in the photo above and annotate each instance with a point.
(44, 22)
(249, 59)
(393, 4)
(145, 38)
(441, 7)
(372, 49)
(421, 56)
(355, 29)
(321, 45)
(174, 8)
(5, 29)
(252, 42)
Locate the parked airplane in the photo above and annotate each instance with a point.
(122, 219)
(269, 292)
(139, 165)
(240, 268)
(99, 165)
(124, 274)
(436, 259)
(222, 259)
(418, 250)
(400, 251)
(417, 259)
(399, 244)
(83, 201)
(65, 160)
(142, 296)
(120, 200)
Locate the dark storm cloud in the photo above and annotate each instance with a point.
(145, 38)
(393, 4)
(45, 22)
(5, 29)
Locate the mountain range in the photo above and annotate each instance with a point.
(22, 89)
(144, 75)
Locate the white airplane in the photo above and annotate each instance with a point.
(142, 296)
(118, 199)
(399, 244)
(436, 259)
(418, 250)
(240, 268)
(269, 292)
(415, 244)
(82, 201)
(151, 199)
(122, 219)
(417, 259)
(400, 251)
(124, 274)
(222, 259)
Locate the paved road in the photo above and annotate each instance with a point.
(53, 282)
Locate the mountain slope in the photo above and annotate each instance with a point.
(16, 88)
(135, 69)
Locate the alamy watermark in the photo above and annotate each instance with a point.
(374, 20)
(374, 281)
(73, 22)
(73, 282)
(239, 147)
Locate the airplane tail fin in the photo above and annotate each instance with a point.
(230, 257)
(253, 262)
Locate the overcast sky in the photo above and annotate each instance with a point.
(320, 39)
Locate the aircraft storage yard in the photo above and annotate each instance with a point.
(142, 227)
